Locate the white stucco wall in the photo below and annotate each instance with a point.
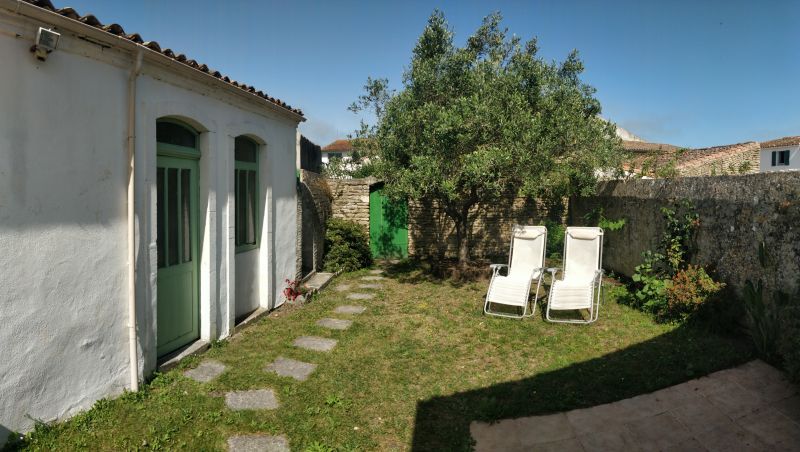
(63, 270)
(247, 282)
(766, 159)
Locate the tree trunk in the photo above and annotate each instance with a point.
(462, 241)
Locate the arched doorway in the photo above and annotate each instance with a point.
(178, 316)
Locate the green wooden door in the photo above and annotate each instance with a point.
(178, 303)
(388, 226)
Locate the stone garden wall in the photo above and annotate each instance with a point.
(350, 199)
(736, 214)
(314, 204)
(432, 233)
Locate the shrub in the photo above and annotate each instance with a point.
(691, 288)
(346, 246)
(555, 239)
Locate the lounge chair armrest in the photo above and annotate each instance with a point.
(540, 270)
(496, 267)
(553, 271)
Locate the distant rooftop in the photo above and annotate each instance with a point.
(644, 146)
(785, 141)
(339, 146)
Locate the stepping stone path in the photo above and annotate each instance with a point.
(286, 367)
(349, 309)
(258, 443)
(335, 324)
(342, 287)
(370, 286)
(206, 371)
(315, 343)
(258, 399)
(264, 399)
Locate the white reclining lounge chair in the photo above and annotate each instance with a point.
(580, 286)
(525, 264)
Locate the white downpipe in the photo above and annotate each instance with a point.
(132, 342)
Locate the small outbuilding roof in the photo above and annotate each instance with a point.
(117, 30)
(644, 146)
(785, 141)
(339, 146)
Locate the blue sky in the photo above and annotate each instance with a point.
(690, 73)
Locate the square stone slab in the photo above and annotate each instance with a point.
(286, 367)
(206, 371)
(315, 343)
(349, 309)
(258, 443)
(335, 324)
(370, 286)
(376, 272)
(360, 296)
(257, 399)
(342, 287)
(372, 278)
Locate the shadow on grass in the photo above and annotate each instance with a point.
(442, 423)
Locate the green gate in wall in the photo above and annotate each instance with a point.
(388, 225)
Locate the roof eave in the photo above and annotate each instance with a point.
(52, 17)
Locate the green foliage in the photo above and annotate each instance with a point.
(650, 285)
(677, 242)
(472, 123)
(555, 238)
(665, 285)
(597, 217)
(690, 289)
(346, 246)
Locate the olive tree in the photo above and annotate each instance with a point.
(472, 124)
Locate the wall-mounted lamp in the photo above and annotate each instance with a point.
(46, 41)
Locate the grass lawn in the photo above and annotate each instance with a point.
(411, 373)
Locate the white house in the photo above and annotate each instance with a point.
(781, 154)
(342, 149)
(208, 219)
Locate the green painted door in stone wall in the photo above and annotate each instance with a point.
(178, 317)
(388, 226)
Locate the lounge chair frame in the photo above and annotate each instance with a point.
(496, 273)
(596, 292)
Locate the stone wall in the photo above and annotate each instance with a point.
(737, 213)
(432, 233)
(315, 200)
(350, 199)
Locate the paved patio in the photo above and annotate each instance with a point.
(750, 407)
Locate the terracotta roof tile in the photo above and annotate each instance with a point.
(785, 141)
(339, 146)
(701, 156)
(644, 146)
(117, 30)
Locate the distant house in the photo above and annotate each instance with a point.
(781, 154)
(666, 160)
(148, 204)
(342, 149)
